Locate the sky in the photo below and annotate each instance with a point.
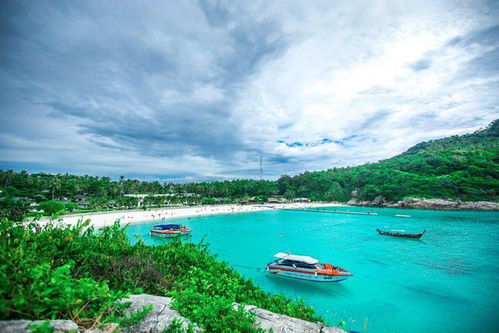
(199, 90)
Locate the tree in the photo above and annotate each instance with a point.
(52, 207)
(55, 185)
(71, 206)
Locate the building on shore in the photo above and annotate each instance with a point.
(276, 200)
(248, 201)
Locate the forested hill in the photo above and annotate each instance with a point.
(462, 167)
(486, 138)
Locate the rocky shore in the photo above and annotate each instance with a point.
(422, 203)
(162, 315)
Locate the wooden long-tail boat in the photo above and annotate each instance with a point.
(169, 230)
(400, 234)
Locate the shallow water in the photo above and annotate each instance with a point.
(446, 282)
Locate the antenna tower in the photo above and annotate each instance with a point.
(261, 167)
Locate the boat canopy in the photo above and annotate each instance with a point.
(167, 226)
(288, 256)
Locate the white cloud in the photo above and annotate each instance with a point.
(320, 88)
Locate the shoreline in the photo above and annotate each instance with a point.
(428, 204)
(107, 218)
(104, 219)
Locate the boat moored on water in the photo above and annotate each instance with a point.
(169, 230)
(402, 234)
(306, 268)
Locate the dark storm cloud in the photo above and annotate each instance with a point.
(155, 85)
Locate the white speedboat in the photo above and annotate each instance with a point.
(306, 268)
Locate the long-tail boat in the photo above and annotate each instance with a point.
(169, 230)
(400, 234)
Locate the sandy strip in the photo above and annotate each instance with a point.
(102, 219)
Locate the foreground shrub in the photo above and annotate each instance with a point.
(35, 285)
(78, 273)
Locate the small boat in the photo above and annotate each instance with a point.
(396, 233)
(305, 268)
(402, 215)
(169, 230)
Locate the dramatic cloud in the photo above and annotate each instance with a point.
(200, 90)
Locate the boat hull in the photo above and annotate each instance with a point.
(305, 275)
(400, 235)
(169, 235)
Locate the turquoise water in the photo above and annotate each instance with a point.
(446, 282)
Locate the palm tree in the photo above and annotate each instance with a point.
(55, 185)
(7, 176)
(122, 178)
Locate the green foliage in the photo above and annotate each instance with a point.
(13, 208)
(176, 326)
(215, 314)
(36, 284)
(79, 274)
(209, 201)
(70, 206)
(52, 207)
(134, 318)
(41, 328)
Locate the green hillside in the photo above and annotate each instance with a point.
(462, 167)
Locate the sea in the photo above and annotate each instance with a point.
(447, 281)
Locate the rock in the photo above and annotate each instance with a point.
(21, 326)
(422, 203)
(378, 201)
(162, 316)
(158, 319)
(448, 204)
(352, 202)
(108, 328)
(284, 324)
(480, 205)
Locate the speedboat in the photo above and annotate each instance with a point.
(305, 268)
(169, 230)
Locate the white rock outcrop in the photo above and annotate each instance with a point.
(158, 319)
(162, 315)
(22, 326)
(284, 324)
(422, 203)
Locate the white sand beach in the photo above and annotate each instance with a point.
(102, 219)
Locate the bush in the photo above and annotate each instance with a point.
(71, 206)
(79, 274)
(38, 285)
(52, 207)
(209, 201)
